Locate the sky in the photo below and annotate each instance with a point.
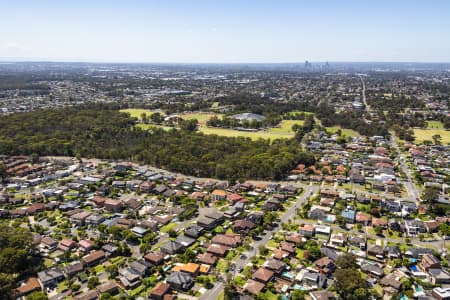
(227, 31)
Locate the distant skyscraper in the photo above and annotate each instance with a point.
(307, 64)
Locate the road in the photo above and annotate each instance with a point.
(242, 262)
(363, 93)
(436, 243)
(213, 293)
(413, 192)
(248, 255)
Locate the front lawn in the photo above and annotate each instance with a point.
(222, 265)
(272, 244)
(240, 281)
(166, 228)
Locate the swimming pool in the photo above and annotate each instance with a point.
(299, 287)
(287, 275)
(414, 268)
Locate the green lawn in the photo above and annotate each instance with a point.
(286, 127)
(137, 112)
(299, 253)
(240, 281)
(117, 259)
(269, 134)
(346, 132)
(148, 126)
(222, 265)
(168, 227)
(201, 117)
(435, 124)
(272, 244)
(284, 131)
(427, 134)
(137, 290)
(270, 296)
(62, 286)
(99, 269)
(48, 263)
(298, 112)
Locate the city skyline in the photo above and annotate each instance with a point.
(231, 32)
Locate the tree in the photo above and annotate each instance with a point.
(298, 295)
(269, 218)
(93, 131)
(263, 250)
(34, 158)
(437, 139)
(144, 118)
(6, 286)
(359, 226)
(3, 173)
(189, 125)
(430, 195)
(156, 118)
(16, 250)
(172, 233)
(37, 296)
(346, 261)
(229, 289)
(113, 270)
(188, 256)
(350, 285)
(340, 220)
(93, 281)
(378, 230)
(105, 296)
(444, 229)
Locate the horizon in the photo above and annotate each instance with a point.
(233, 32)
(32, 60)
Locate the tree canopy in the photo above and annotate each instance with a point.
(108, 134)
(16, 256)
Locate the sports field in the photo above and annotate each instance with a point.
(346, 132)
(435, 125)
(427, 135)
(202, 118)
(137, 112)
(283, 131)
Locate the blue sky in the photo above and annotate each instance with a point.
(226, 31)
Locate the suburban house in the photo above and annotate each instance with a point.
(50, 277)
(172, 247)
(94, 258)
(180, 281)
(159, 291)
(229, 240)
(113, 205)
(263, 275)
(429, 261)
(218, 195)
(254, 287)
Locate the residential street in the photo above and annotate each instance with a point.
(413, 193)
(242, 261)
(213, 293)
